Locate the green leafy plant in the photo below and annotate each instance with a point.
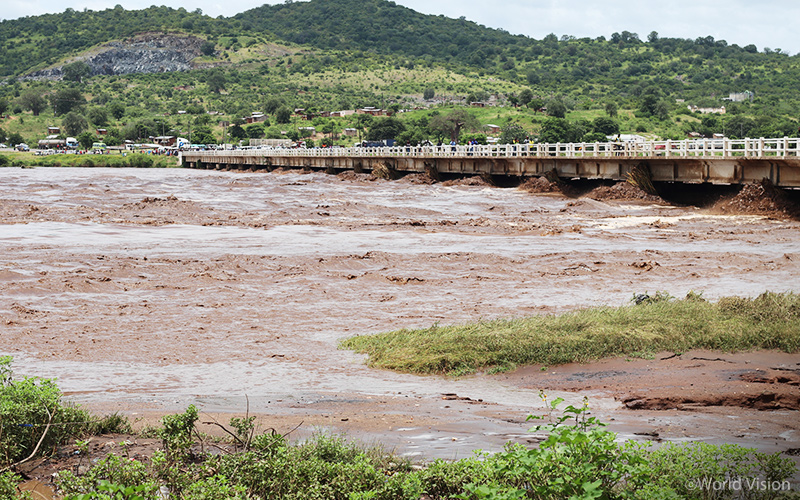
(107, 490)
(32, 419)
(245, 428)
(176, 435)
(8, 487)
(112, 470)
(579, 459)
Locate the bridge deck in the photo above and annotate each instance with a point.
(720, 161)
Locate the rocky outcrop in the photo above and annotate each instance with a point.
(148, 53)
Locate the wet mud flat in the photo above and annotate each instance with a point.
(144, 291)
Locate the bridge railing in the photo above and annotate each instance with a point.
(719, 148)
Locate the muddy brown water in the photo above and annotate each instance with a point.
(143, 291)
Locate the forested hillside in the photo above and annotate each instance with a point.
(325, 55)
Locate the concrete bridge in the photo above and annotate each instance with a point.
(717, 161)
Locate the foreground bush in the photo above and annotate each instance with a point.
(33, 420)
(578, 459)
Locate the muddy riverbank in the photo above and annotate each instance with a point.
(144, 291)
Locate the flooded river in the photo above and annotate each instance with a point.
(154, 289)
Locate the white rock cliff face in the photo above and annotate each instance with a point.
(149, 53)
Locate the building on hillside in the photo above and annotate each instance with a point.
(343, 113)
(101, 131)
(350, 132)
(255, 117)
(706, 111)
(369, 110)
(740, 96)
(53, 130)
(492, 129)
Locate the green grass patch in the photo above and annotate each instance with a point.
(136, 160)
(770, 321)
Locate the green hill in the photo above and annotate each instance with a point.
(326, 55)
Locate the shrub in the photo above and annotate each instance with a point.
(112, 470)
(32, 416)
(8, 486)
(176, 435)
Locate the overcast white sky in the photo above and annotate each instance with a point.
(765, 23)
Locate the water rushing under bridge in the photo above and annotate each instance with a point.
(719, 161)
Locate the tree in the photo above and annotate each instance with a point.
(595, 137)
(283, 115)
(203, 119)
(556, 108)
(15, 138)
(428, 94)
(451, 124)
(649, 100)
(272, 105)
(215, 81)
(513, 133)
(76, 72)
(605, 126)
(202, 135)
(97, 116)
(385, 128)
(536, 104)
(330, 128)
(3, 106)
(661, 110)
(117, 109)
(74, 123)
(525, 97)
(33, 101)
(86, 139)
(478, 96)
(255, 131)
(237, 132)
(560, 130)
(207, 48)
(739, 127)
(66, 100)
(611, 109)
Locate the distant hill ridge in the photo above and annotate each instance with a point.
(622, 66)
